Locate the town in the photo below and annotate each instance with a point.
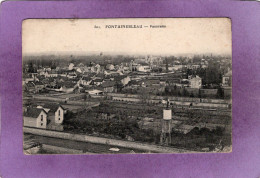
(180, 103)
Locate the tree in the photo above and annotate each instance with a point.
(167, 65)
(119, 86)
(199, 94)
(31, 69)
(185, 92)
(220, 93)
(213, 73)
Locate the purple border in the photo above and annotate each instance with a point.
(242, 162)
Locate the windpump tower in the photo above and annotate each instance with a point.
(166, 126)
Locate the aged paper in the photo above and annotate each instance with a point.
(130, 85)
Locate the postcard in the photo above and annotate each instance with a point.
(125, 86)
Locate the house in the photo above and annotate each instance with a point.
(227, 78)
(53, 73)
(72, 75)
(81, 65)
(87, 74)
(193, 66)
(177, 67)
(79, 70)
(68, 87)
(144, 68)
(35, 117)
(95, 93)
(134, 84)
(227, 92)
(123, 79)
(110, 67)
(108, 86)
(39, 86)
(55, 87)
(29, 78)
(30, 87)
(96, 68)
(85, 69)
(55, 112)
(183, 83)
(34, 87)
(100, 75)
(195, 82)
(85, 80)
(71, 66)
(204, 66)
(132, 66)
(97, 82)
(151, 82)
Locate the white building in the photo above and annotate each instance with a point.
(35, 117)
(71, 66)
(141, 68)
(195, 82)
(110, 67)
(55, 112)
(227, 78)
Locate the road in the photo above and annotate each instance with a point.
(84, 146)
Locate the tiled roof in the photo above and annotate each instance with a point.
(185, 82)
(53, 72)
(100, 75)
(52, 106)
(30, 84)
(115, 74)
(120, 77)
(98, 80)
(68, 84)
(108, 84)
(38, 83)
(228, 74)
(134, 82)
(86, 78)
(33, 112)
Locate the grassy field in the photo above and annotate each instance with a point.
(130, 121)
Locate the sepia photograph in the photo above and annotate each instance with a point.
(127, 85)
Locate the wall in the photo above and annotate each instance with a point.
(194, 91)
(106, 141)
(60, 150)
(188, 99)
(227, 92)
(61, 116)
(48, 98)
(36, 122)
(42, 124)
(208, 92)
(181, 103)
(29, 121)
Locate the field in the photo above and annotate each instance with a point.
(142, 122)
(193, 127)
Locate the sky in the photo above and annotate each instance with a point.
(181, 36)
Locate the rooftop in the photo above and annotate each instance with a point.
(228, 74)
(108, 84)
(52, 106)
(33, 112)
